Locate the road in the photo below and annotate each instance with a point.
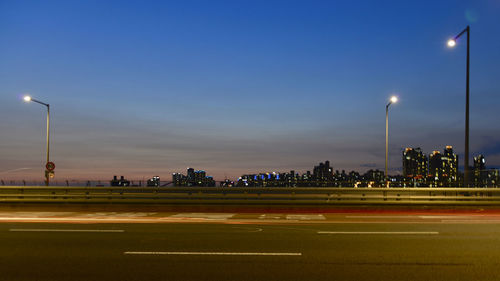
(331, 245)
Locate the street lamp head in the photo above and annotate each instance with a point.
(394, 99)
(452, 43)
(27, 98)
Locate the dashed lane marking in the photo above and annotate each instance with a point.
(214, 253)
(382, 232)
(270, 216)
(451, 217)
(380, 217)
(250, 229)
(299, 217)
(305, 217)
(490, 221)
(117, 214)
(206, 216)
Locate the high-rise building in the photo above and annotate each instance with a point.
(443, 168)
(450, 166)
(190, 177)
(414, 166)
(480, 172)
(435, 169)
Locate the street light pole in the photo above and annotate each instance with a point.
(452, 43)
(28, 99)
(393, 99)
(47, 176)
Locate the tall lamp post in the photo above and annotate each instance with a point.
(47, 171)
(393, 99)
(451, 43)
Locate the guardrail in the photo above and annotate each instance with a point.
(237, 195)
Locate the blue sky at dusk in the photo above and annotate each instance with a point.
(143, 88)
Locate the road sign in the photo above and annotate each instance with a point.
(50, 166)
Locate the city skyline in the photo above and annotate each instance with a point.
(142, 95)
(417, 169)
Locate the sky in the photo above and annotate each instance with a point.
(145, 88)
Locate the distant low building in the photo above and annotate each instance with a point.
(374, 178)
(153, 182)
(493, 178)
(178, 179)
(323, 174)
(119, 182)
(193, 178)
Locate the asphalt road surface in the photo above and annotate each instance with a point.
(329, 245)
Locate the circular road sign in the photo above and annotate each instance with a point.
(50, 166)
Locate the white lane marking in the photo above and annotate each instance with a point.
(305, 217)
(450, 217)
(207, 216)
(117, 214)
(415, 217)
(270, 216)
(380, 217)
(381, 232)
(250, 229)
(63, 230)
(471, 221)
(214, 253)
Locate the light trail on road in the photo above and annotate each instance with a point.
(63, 230)
(151, 245)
